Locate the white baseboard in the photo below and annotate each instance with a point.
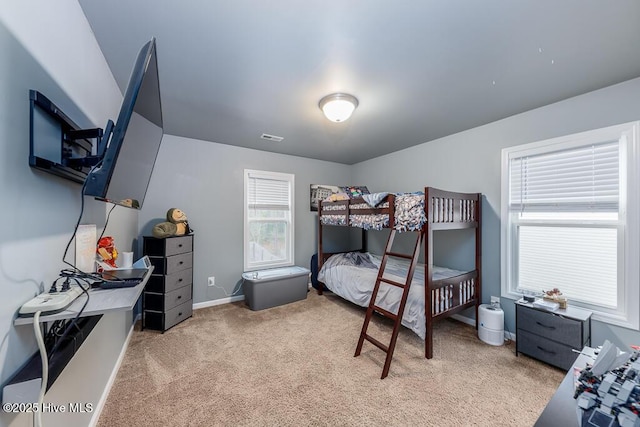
(472, 322)
(464, 319)
(215, 302)
(114, 373)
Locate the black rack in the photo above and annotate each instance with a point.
(22, 384)
(58, 145)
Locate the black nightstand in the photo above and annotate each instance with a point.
(551, 336)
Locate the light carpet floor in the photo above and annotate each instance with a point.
(293, 366)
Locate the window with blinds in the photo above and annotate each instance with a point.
(565, 211)
(268, 213)
(579, 179)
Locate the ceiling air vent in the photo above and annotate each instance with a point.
(271, 137)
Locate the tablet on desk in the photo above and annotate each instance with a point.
(122, 278)
(130, 274)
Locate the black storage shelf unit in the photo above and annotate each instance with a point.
(168, 296)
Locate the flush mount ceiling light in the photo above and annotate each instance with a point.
(338, 107)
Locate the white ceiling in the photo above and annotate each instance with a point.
(231, 70)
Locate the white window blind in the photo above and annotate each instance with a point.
(268, 193)
(580, 261)
(577, 179)
(268, 231)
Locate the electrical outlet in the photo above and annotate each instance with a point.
(211, 281)
(495, 300)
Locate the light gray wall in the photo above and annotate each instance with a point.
(470, 162)
(48, 46)
(206, 181)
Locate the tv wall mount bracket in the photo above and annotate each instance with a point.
(58, 145)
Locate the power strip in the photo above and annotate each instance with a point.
(50, 302)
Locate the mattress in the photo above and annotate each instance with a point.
(352, 276)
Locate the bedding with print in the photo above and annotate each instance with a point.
(353, 275)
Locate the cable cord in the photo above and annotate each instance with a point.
(72, 324)
(37, 416)
(74, 273)
(107, 221)
(233, 293)
(75, 230)
(509, 340)
(79, 278)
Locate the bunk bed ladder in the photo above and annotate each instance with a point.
(397, 317)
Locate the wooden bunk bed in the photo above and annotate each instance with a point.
(445, 295)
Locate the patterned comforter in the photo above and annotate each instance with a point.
(409, 211)
(353, 275)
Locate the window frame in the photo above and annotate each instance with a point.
(289, 233)
(627, 313)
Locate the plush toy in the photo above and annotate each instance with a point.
(131, 203)
(176, 225)
(336, 197)
(107, 251)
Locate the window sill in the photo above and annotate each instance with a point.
(599, 316)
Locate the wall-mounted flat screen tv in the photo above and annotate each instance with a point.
(123, 174)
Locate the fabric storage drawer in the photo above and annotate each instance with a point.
(563, 330)
(179, 262)
(546, 350)
(172, 264)
(169, 246)
(168, 283)
(163, 321)
(164, 302)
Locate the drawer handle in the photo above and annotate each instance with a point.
(179, 280)
(179, 314)
(181, 262)
(545, 350)
(179, 296)
(545, 326)
(180, 245)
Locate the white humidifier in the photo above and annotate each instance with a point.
(491, 324)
